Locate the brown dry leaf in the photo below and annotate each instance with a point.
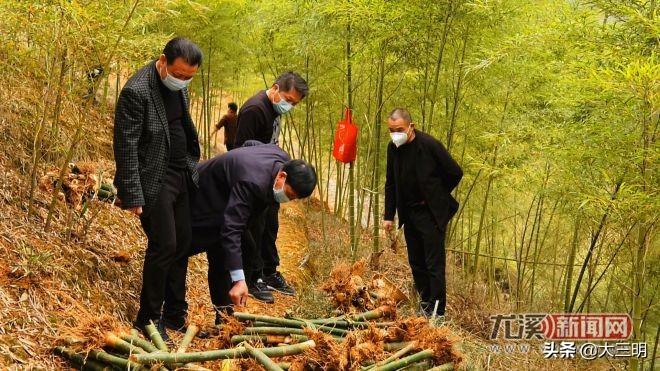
(122, 257)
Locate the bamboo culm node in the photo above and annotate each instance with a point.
(155, 337)
(238, 352)
(257, 354)
(414, 358)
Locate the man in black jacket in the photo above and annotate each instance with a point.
(235, 189)
(259, 119)
(156, 152)
(420, 177)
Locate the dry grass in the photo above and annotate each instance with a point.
(82, 278)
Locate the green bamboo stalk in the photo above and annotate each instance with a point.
(80, 360)
(445, 367)
(332, 330)
(120, 362)
(273, 331)
(114, 341)
(266, 339)
(300, 338)
(419, 356)
(285, 322)
(284, 365)
(395, 346)
(211, 355)
(398, 354)
(279, 321)
(268, 363)
(150, 348)
(155, 337)
(372, 314)
(139, 342)
(191, 331)
(261, 324)
(135, 332)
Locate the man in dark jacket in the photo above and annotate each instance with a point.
(230, 122)
(156, 152)
(259, 119)
(236, 188)
(420, 177)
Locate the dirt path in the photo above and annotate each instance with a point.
(292, 246)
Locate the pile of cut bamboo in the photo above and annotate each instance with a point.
(326, 343)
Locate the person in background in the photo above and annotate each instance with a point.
(235, 189)
(420, 177)
(156, 153)
(259, 120)
(230, 122)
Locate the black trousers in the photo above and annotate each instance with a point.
(271, 225)
(168, 230)
(207, 239)
(425, 241)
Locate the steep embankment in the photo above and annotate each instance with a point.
(82, 277)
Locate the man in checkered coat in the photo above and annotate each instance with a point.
(156, 152)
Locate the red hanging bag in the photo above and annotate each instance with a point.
(345, 145)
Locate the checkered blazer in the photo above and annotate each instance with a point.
(142, 140)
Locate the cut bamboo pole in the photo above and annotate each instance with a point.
(395, 365)
(150, 348)
(257, 354)
(445, 367)
(155, 337)
(211, 355)
(80, 360)
(139, 342)
(279, 321)
(395, 345)
(191, 331)
(371, 315)
(285, 322)
(120, 362)
(266, 339)
(114, 341)
(273, 331)
(398, 354)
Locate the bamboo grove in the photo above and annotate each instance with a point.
(551, 107)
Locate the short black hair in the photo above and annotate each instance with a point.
(301, 176)
(400, 113)
(289, 80)
(233, 106)
(181, 47)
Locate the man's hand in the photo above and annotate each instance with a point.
(387, 225)
(137, 210)
(239, 293)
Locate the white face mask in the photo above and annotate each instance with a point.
(400, 138)
(173, 83)
(283, 106)
(279, 194)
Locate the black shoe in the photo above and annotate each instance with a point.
(180, 326)
(277, 282)
(159, 326)
(260, 291)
